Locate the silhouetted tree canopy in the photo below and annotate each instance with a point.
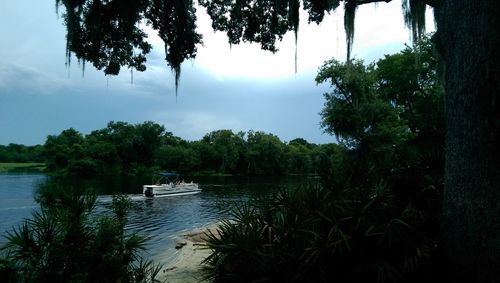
(110, 34)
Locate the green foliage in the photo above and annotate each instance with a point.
(63, 150)
(141, 149)
(265, 154)
(18, 153)
(66, 242)
(375, 215)
(110, 34)
(22, 167)
(313, 234)
(120, 148)
(414, 16)
(255, 21)
(226, 147)
(298, 159)
(389, 114)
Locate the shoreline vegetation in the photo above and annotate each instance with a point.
(143, 149)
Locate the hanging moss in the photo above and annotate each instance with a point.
(175, 22)
(106, 33)
(350, 12)
(293, 17)
(414, 16)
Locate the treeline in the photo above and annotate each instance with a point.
(21, 153)
(123, 148)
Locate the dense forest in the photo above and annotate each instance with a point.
(21, 153)
(123, 148)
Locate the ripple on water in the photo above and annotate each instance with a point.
(162, 220)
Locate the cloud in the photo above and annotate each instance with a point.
(23, 79)
(193, 125)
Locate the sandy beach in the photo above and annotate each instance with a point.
(187, 267)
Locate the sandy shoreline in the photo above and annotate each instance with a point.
(187, 267)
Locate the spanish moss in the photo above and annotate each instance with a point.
(414, 16)
(350, 12)
(294, 19)
(177, 74)
(83, 68)
(175, 22)
(108, 35)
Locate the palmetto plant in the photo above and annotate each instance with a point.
(313, 234)
(66, 242)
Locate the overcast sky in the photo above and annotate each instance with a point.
(238, 88)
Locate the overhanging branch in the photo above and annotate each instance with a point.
(361, 2)
(431, 3)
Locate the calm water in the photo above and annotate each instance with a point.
(161, 219)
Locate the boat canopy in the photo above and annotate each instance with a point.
(168, 174)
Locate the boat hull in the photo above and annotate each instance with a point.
(165, 190)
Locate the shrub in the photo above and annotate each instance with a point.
(66, 242)
(313, 234)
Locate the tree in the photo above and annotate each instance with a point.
(468, 41)
(298, 158)
(467, 38)
(119, 148)
(226, 151)
(265, 154)
(64, 150)
(21, 153)
(381, 112)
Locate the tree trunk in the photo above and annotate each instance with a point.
(468, 41)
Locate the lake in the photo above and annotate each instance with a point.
(163, 220)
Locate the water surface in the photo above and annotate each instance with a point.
(162, 220)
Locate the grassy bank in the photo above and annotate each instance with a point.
(22, 167)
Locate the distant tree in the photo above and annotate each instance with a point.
(299, 141)
(209, 159)
(120, 148)
(64, 150)
(226, 149)
(21, 153)
(180, 158)
(147, 140)
(298, 157)
(266, 154)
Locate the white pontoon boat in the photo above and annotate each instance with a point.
(167, 184)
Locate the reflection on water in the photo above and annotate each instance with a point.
(16, 199)
(162, 220)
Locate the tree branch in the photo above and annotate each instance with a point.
(361, 2)
(432, 3)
